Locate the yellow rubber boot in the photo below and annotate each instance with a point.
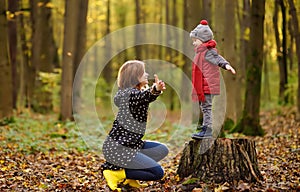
(113, 178)
(134, 183)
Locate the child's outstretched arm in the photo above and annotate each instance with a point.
(213, 57)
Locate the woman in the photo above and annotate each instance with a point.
(128, 157)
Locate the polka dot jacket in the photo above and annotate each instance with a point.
(125, 138)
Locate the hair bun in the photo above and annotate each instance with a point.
(203, 22)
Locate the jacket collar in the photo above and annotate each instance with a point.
(207, 45)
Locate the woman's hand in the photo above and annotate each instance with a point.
(159, 84)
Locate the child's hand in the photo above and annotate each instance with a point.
(229, 68)
(159, 84)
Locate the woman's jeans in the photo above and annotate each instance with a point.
(144, 165)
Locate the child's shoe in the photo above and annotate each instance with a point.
(205, 133)
(199, 127)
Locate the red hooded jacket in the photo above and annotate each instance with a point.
(205, 71)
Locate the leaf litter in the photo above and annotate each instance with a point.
(25, 167)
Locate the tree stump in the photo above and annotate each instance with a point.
(221, 160)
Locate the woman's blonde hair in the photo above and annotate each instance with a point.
(129, 74)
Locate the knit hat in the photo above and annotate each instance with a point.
(202, 32)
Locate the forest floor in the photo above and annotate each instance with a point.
(36, 159)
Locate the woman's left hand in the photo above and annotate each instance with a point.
(159, 84)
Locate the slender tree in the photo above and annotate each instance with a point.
(194, 17)
(160, 20)
(281, 50)
(25, 67)
(206, 11)
(290, 50)
(12, 36)
(217, 24)
(44, 53)
(250, 121)
(6, 102)
(186, 67)
(293, 13)
(121, 10)
(73, 51)
(232, 90)
(243, 51)
(194, 14)
(80, 49)
(138, 50)
(283, 67)
(169, 52)
(244, 23)
(108, 70)
(81, 34)
(70, 36)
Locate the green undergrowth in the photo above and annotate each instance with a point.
(31, 133)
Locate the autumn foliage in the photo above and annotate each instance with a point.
(36, 158)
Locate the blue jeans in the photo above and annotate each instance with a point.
(145, 163)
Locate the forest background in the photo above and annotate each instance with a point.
(43, 43)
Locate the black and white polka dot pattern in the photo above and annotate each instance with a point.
(125, 137)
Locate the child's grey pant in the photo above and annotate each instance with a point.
(206, 108)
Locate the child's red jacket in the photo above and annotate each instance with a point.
(205, 71)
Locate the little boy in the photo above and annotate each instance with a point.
(206, 75)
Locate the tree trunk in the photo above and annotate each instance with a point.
(186, 68)
(281, 51)
(121, 11)
(267, 88)
(144, 15)
(250, 122)
(175, 54)
(244, 23)
(12, 36)
(160, 9)
(107, 71)
(31, 68)
(70, 36)
(220, 34)
(291, 45)
(24, 66)
(138, 50)
(206, 13)
(169, 52)
(95, 55)
(44, 53)
(217, 25)
(80, 50)
(6, 102)
(193, 16)
(81, 34)
(283, 68)
(232, 93)
(293, 13)
(219, 161)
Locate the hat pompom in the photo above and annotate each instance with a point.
(203, 22)
(202, 32)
